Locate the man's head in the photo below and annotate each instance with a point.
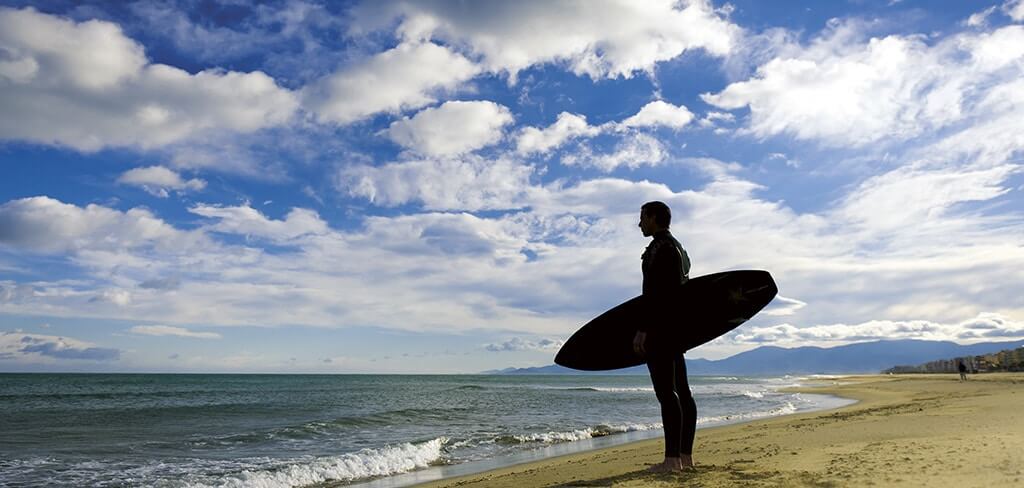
(654, 216)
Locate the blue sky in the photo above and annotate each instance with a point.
(444, 187)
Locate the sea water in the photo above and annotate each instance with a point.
(168, 430)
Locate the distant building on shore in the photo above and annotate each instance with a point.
(1008, 360)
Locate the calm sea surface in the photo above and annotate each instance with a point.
(297, 430)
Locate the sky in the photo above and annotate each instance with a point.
(453, 187)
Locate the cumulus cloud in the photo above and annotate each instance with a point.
(468, 183)
(87, 86)
(984, 326)
(1014, 9)
(606, 39)
(43, 224)
(633, 151)
(159, 181)
(660, 113)
(405, 77)
(520, 344)
(451, 129)
(245, 220)
(531, 269)
(21, 346)
(168, 330)
(568, 126)
(845, 92)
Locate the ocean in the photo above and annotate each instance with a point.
(171, 430)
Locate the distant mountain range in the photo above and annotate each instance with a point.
(864, 357)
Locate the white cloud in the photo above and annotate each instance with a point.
(1014, 9)
(531, 271)
(468, 183)
(168, 330)
(22, 347)
(979, 19)
(158, 180)
(633, 151)
(520, 344)
(248, 221)
(845, 92)
(660, 113)
(598, 39)
(48, 225)
(121, 298)
(403, 78)
(909, 196)
(568, 126)
(981, 328)
(87, 86)
(783, 306)
(453, 128)
(993, 136)
(715, 121)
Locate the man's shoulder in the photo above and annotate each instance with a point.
(666, 238)
(663, 241)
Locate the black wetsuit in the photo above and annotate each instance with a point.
(666, 266)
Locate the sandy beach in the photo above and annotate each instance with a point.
(908, 430)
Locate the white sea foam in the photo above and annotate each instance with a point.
(633, 427)
(786, 409)
(753, 394)
(551, 437)
(623, 390)
(581, 434)
(366, 463)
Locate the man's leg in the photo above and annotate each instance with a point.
(663, 378)
(688, 406)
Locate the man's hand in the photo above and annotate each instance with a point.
(638, 343)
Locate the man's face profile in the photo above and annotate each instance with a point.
(647, 224)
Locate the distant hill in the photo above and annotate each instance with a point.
(864, 357)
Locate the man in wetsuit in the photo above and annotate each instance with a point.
(666, 267)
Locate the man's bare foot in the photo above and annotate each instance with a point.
(669, 465)
(685, 461)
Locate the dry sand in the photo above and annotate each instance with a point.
(913, 430)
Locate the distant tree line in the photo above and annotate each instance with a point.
(1007, 360)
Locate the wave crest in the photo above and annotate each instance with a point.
(367, 463)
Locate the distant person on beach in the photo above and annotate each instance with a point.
(666, 267)
(963, 371)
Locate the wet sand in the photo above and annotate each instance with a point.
(907, 430)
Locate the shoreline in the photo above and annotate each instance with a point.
(904, 430)
(440, 474)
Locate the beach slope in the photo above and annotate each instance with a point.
(913, 430)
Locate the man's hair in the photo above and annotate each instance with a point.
(662, 215)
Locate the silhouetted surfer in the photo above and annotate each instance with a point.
(666, 267)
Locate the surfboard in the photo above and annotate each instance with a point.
(703, 309)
